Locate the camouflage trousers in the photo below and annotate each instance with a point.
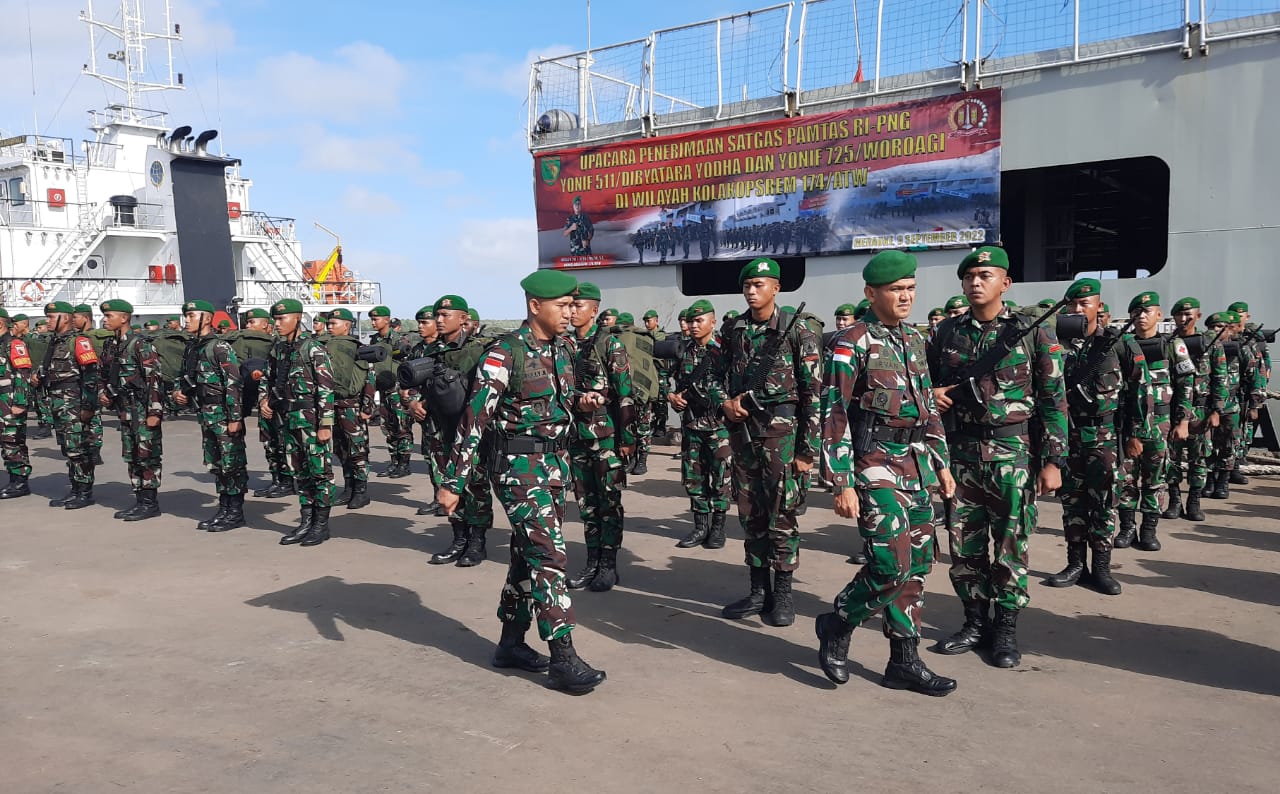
(95, 430)
(1224, 442)
(535, 585)
(768, 493)
(704, 469)
(995, 514)
(1194, 451)
(433, 451)
(224, 457)
(351, 441)
(1244, 438)
(1089, 487)
(660, 410)
(74, 434)
(141, 447)
(644, 427)
(475, 508)
(397, 425)
(271, 433)
(312, 462)
(40, 407)
(13, 445)
(597, 483)
(1144, 483)
(897, 527)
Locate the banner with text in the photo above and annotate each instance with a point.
(911, 174)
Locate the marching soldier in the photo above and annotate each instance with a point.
(525, 388)
(705, 470)
(1143, 486)
(69, 376)
(131, 384)
(351, 427)
(884, 449)
(415, 411)
(304, 381)
(1109, 410)
(82, 322)
(1223, 324)
(604, 436)
(844, 316)
(38, 341)
(211, 381)
(1208, 387)
(773, 411)
(936, 316)
(999, 469)
(658, 408)
(259, 334)
(15, 369)
(396, 423)
(1255, 376)
(319, 323)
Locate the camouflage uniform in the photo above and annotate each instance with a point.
(1252, 396)
(134, 365)
(993, 453)
(15, 392)
(70, 383)
(309, 406)
(1261, 357)
(1226, 434)
(1208, 394)
(213, 374)
(432, 447)
(351, 434)
(1143, 485)
(397, 425)
(705, 466)
(272, 432)
(37, 343)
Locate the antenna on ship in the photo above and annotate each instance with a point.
(132, 53)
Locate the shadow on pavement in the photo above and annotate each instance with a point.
(1259, 587)
(1236, 536)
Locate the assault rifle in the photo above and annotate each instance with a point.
(757, 375)
(111, 351)
(1098, 350)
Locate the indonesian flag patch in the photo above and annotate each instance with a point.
(492, 363)
(842, 353)
(84, 352)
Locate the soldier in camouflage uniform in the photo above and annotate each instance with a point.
(605, 431)
(578, 228)
(705, 470)
(416, 410)
(351, 427)
(1109, 409)
(15, 369)
(38, 341)
(82, 322)
(270, 431)
(1143, 486)
(131, 384)
(1208, 388)
(1225, 435)
(307, 406)
(773, 411)
(956, 305)
(211, 381)
(68, 373)
(524, 392)
(397, 426)
(658, 408)
(884, 448)
(1255, 377)
(999, 470)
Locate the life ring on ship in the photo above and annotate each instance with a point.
(32, 291)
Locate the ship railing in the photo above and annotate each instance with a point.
(255, 292)
(100, 154)
(34, 293)
(41, 148)
(260, 224)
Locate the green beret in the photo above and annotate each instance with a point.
(626, 318)
(587, 291)
(789, 309)
(198, 306)
(456, 302)
(379, 311)
(760, 267)
(887, 267)
(4, 313)
(17, 318)
(321, 317)
(861, 309)
(956, 302)
(1046, 303)
(426, 313)
(473, 314)
(1232, 316)
(1084, 288)
(150, 324)
(117, 305)
(1144, 299)
(222, 324)
(986, 256)
(731, 314)
(42, 322)
(1222, 318)
(342, 314)
(1186, 303)
(548, 284)
(83, 308)
(610, 313)
(286, 306)
(136, 327)
(1239, 306)
(845, 310)
(938, 312)
(1011, 304)
(1106, 309)
(57, 307)
(650, 314)
(174, 318)
(699, 308)
(257, 314)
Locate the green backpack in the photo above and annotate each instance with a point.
(250, 345)
(349, 373)
(98, 337)
(171, 346)
(645, 379)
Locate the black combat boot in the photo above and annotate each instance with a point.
(1128, 529)
(401, 469)
(266, 490)
(567, 671)
(304, 526)
(975, 633)
(642, 463)
(62, 500)
(148, 506)
(1221, 486)
(715, 538)
(607, 574)
(858, 557)
(233, 518)
(1004, 645)
(319, 528)
(1077, 552)
(133, 508)
(455, 549)
(833, 646)
(1174, 510)
(97, 458)
(475, 552)
(753, 604)
(1237, 477)
(1100, 578)
(1147, 540)
(392, 466)
(513, 651)
(784, 607)
(42, 431)
(588, 573)
(1192, 512)
(82, 497)
(284, 488)
(359, 496)
(222, 511)
(429, 509)
(344, 497)
(17, 487)
(906, 670)
(701, 528)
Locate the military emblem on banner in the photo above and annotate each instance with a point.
(550, 170)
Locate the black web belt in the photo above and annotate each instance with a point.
(1093, 421)
(898, 435)
(988, 432)
(530, 445)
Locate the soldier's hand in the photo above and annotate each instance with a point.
(86, 416)
(365, 417)
(946, 483)
(846, 503)
(181, 399)
(324, 434)
(1050, 479)
(153, 422)
(803, 464)
(590, 401)
(1253, 414)
(678, 401)
(1214, 420)
(942, 398)
(418, 411)
(447, 499)
(104, 400)
(1183, 430)
(626, 451)
(734, 411)
(17, 410)
(1133, 447)
(264, 410)
(233, 427)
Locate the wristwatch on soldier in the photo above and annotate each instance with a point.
(1060, 462)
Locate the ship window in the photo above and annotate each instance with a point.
(721, 278)
(17, 196)
(1064, 221)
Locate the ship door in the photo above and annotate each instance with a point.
(15, 209)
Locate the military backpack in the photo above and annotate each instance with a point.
(171, 346)
(645, 379)
(350, 374)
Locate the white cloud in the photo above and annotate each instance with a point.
(361, 81)
(323, 150)
(495, 72)
(360, 200)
